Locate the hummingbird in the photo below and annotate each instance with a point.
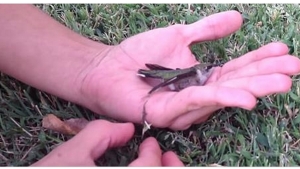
(178, 79)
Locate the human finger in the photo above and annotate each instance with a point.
(174, 104)
(184, 121)
(89, 144)
(270, 50)
(258, 86)
(171, 159)
(149, 154)
(213, 27)
(261, 85)
(286, 64)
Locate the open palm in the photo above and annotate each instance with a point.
(114, 89)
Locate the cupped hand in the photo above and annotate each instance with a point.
(114, 89)
(98, 136)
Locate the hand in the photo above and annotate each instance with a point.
(114, 89)
(98, 136)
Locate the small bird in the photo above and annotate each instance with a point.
(178, 79)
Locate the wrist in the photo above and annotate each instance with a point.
(91, 59)
(90, 69)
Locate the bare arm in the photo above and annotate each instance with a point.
(41, 52)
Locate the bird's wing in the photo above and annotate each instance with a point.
(156, 67)
(173, 80)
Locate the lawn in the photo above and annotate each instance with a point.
(266, 136)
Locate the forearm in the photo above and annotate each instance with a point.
(41, 52)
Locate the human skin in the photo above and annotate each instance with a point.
(41, 52)
(52, 58)
(98, 136)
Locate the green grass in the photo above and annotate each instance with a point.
(266, 136)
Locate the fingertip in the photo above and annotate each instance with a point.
(106, 123)
(245, 100)
(150, 143)
(269, 50)
(169, 158)
(182, 126)
(273, 49)
(284, 47)
(236, 15)
(232, 15)
(250, 106)
(215, 26)
(294, 65)
(105, 134)
(149, 154)
(284, 83)
(278, 48)
(96, 123)
(128, 125)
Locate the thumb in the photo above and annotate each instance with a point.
(149, 154)
(215, 26)
(89, 144)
